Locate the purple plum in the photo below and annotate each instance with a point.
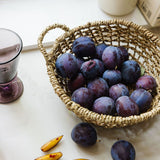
(125, 107)
(83, 96)
(66, 65)
(98, 87)
(84, 47)
(118, 90)
(104, 105)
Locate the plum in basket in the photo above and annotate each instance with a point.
(66, 65)
(142, 98)
(99, 50)
(112, 77)
(90, 69)
(76, 82)
(104, 105)
(146, 82)
(130, 71)
(98, 87)
(83, 96)
(125, 107)
(118, 90)
(84, 47)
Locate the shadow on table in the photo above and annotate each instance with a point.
(127, 133)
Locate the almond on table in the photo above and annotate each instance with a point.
(52, 156)
(49, 145)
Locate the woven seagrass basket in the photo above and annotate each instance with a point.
(142, 45)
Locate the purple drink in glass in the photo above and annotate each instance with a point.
(11, 87)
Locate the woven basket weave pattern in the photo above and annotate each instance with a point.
(142, 45)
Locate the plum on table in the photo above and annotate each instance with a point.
(123, 150)
(84, 134)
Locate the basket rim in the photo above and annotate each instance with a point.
(79, 110)
(139, 28)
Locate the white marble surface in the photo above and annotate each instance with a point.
(39, 115)
(29, 18)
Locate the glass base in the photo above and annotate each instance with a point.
(11, 91)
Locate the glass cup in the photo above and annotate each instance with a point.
(11, 87)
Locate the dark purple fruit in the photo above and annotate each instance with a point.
(101, 67)
(76, 82)
(109, 57)
(90, 69)
(84, 134)
(83, 96)
(122, 55)
(80, 61)
(142, 98)
(66, 65)
(125, 107)
(112, 77)
(130, 71)
(124, 52)
(99, 50)
(104, 105)
(84, 47)
(118, 90)
(113, 57)
(98, 87)
(146, 82)
(123, 150)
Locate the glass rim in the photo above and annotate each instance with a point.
(20, 48)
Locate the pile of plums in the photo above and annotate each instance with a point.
(99, 76)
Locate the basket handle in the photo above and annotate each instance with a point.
(44, 32)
